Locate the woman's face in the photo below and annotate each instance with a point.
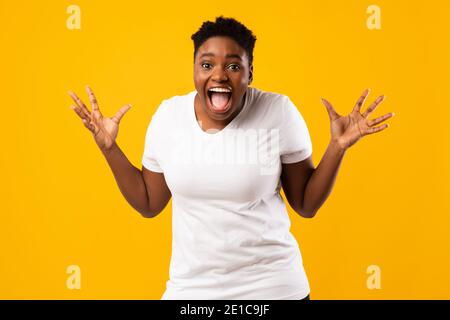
(221, 62)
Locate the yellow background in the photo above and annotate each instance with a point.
(60, 204)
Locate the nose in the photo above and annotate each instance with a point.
(220, 75)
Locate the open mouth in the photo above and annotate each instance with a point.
(219, 99)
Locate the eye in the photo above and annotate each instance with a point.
(235, 67)
(206, 65)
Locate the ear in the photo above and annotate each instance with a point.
(250, 77)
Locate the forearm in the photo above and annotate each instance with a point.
(322, 179)
(128, 178)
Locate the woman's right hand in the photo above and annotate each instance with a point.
(104, 130)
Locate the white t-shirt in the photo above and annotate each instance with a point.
(231, 234)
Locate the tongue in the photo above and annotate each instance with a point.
(220, 100)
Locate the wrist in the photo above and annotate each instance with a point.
(110, 149)
(337, 145)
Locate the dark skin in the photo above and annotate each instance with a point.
(146, 191)
(220, 61)
(306, 187)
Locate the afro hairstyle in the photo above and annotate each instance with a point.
(226, 27)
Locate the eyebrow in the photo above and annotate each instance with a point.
(210, 54)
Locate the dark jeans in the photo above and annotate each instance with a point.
(306, 298)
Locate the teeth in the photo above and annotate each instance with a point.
(220, 90)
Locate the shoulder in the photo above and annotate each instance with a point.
(175, 107)
(270, 106)
(267, 98)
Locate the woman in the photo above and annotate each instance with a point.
(223, 151)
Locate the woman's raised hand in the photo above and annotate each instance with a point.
(347, 130)
(104, 130)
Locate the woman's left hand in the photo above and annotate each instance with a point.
(347, 130)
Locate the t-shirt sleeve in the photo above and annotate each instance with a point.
(150, 158)
(295, 141)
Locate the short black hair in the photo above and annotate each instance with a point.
(226, 27)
